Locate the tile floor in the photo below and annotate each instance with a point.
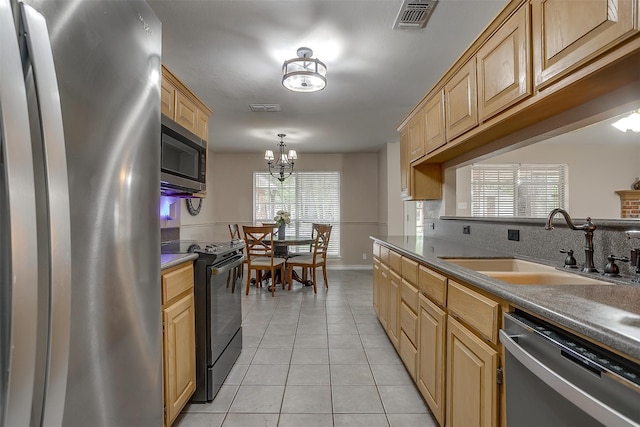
(314, 361)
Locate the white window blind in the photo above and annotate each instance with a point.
(310, 197)
(522, 190)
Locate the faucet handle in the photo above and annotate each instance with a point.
(569, 261)
(611, 269)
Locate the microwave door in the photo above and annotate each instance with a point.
(179, 158)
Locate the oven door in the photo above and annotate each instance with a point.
(225, 304)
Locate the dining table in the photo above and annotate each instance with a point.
(282, 251)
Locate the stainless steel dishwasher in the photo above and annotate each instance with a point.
(554, 378)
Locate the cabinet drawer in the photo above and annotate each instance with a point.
(176, 280)
(433, 284)
(410, 270)
(384, 254)
(395, 261)
(409, 295)
(478, 311)
(376, 250)
(409, 323)
(408, 354)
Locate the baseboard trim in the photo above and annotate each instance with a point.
(349, 267)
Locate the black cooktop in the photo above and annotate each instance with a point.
(191, 246)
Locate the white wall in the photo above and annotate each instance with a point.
(230, 198)
(600, 161)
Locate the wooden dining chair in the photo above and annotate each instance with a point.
(316, 260)
(261, 255)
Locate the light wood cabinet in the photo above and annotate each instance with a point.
(431, 356)
(415, 131)
(472, 389)
(183, 106)
(434, 127)
(186, 113)
(568, 34)
(461, 101)
(446, 335)
(167, 98)
(376, 285)
(178, 340)
(404, 164)
(504, 72)
(393, 308)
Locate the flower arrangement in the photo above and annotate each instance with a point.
(282, 218)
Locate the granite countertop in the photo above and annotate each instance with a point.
(171, 260)
(609, 314)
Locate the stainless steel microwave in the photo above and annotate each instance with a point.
(184, 160)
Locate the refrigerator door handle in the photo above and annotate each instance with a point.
(18, 238)
(59, 216)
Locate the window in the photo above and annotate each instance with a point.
(522, 190)
(310, 197)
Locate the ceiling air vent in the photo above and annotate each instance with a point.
(264, 108)
(414, 14)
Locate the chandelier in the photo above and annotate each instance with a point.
(304, 73)
(282, 167)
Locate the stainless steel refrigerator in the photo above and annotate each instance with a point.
(80, 322)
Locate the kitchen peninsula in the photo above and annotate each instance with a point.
(437, 313)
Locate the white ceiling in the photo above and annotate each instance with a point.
(230, 53)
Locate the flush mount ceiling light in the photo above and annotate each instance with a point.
(629, 123)
(304, 73)
(283, 165)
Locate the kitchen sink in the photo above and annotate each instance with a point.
(499, 264)
(520, 272)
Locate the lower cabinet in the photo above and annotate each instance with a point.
(179, 339)
(445, 332)
(472, 389)
(432, 323)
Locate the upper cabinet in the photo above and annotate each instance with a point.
(461, 101)
(434, 132)
(504, 65)
(183, 106)
(536, 60)
(567, 34)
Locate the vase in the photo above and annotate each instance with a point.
(281, 231)
(634, 186)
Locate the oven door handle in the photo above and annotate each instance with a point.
(589, 404)
(227, 267)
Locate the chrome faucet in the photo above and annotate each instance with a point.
(588, 229)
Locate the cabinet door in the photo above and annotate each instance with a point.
(416, 137)
(186, 112)
(376, 285)
(472, 389)
(393, 308)
(567, 34)
(461, 103)
(504, 75)
(179, 355)
(383, 295)
(168, 99)
(434, 133)
(203, 125)
(431, 346)
(404, 164)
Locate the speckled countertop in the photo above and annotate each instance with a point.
(609, 314)
(171, 260)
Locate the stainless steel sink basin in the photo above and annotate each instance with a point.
(520, 272)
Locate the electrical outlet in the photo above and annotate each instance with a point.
(466, 229)
(364, 256)
(513, 235)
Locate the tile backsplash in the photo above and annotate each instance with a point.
(535, 242)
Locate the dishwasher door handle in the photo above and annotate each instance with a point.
(583, 400)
